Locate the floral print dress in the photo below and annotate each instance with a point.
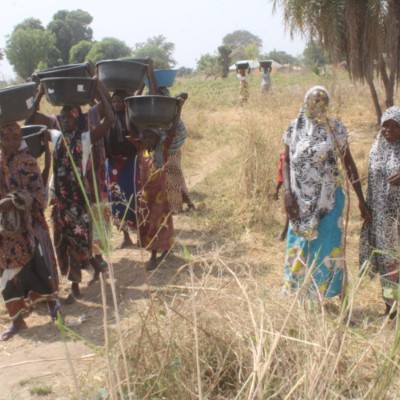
(71, 219)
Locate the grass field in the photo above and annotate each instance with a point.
(213, 324)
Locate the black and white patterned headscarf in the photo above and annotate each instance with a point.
(314, 177)
(391, 113)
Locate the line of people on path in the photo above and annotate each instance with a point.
(99, 160)
(242, 74)
(315, 146)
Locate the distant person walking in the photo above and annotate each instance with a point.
(266, 82)
(244, 86)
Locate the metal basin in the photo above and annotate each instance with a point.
(69, 91)
(121, 74)
(151, 111)
(16, 102)
(33, 136)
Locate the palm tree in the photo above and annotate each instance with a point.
(365, 32)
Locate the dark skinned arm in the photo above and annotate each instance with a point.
(101, 131)
(153, 86)
(47, 160)
(172, 130)
(353, 176)
(291, 206)
(37, 118)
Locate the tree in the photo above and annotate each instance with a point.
(25, 49)
(79, 52)
(208, 65)
(158, 49)
(314, 54)
(184, 71)
(224, 60)
(364, 32)
(108, 48)
(252, 51)
(280, 57)
(29, 24)
(238, 41)
(70, 28)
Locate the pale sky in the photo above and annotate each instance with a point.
(195, 27)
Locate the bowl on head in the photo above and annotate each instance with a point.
(151, 111)
(164, 77)
(242, 65)
(63, 71)
(121, 74)
(33, 136)
(69, 90)
(16, 102)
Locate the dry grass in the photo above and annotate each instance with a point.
(220, 329)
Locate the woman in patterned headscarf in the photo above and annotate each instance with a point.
(27, 265)
(379, 242)
(314, 199)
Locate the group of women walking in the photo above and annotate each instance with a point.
(92, 152)
(315, 146)
(100, 151)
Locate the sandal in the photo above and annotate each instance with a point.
(55, 310)
(11, 331)
(151, 265)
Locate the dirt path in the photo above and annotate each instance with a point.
(37, 359)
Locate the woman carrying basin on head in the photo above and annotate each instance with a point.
(70, 214)
(155, 218)
(27, 264)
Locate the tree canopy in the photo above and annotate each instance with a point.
(366, 33)
(208, 65)
(26, 48)
(108, 48)
(70, 28)
(159, 49)
(79, 52)
(280, 57)
(31, 45)
(238, 41)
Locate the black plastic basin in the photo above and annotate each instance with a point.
(63, 71)
(151, 111)
(69, 91)
(121, 74)
(16, 102)
(33, 136)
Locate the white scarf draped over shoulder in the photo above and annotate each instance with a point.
(314, 150)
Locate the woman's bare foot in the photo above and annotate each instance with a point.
(162, 256)
(126, 241)
(74, 294)
(99, 265)
(16, 326)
